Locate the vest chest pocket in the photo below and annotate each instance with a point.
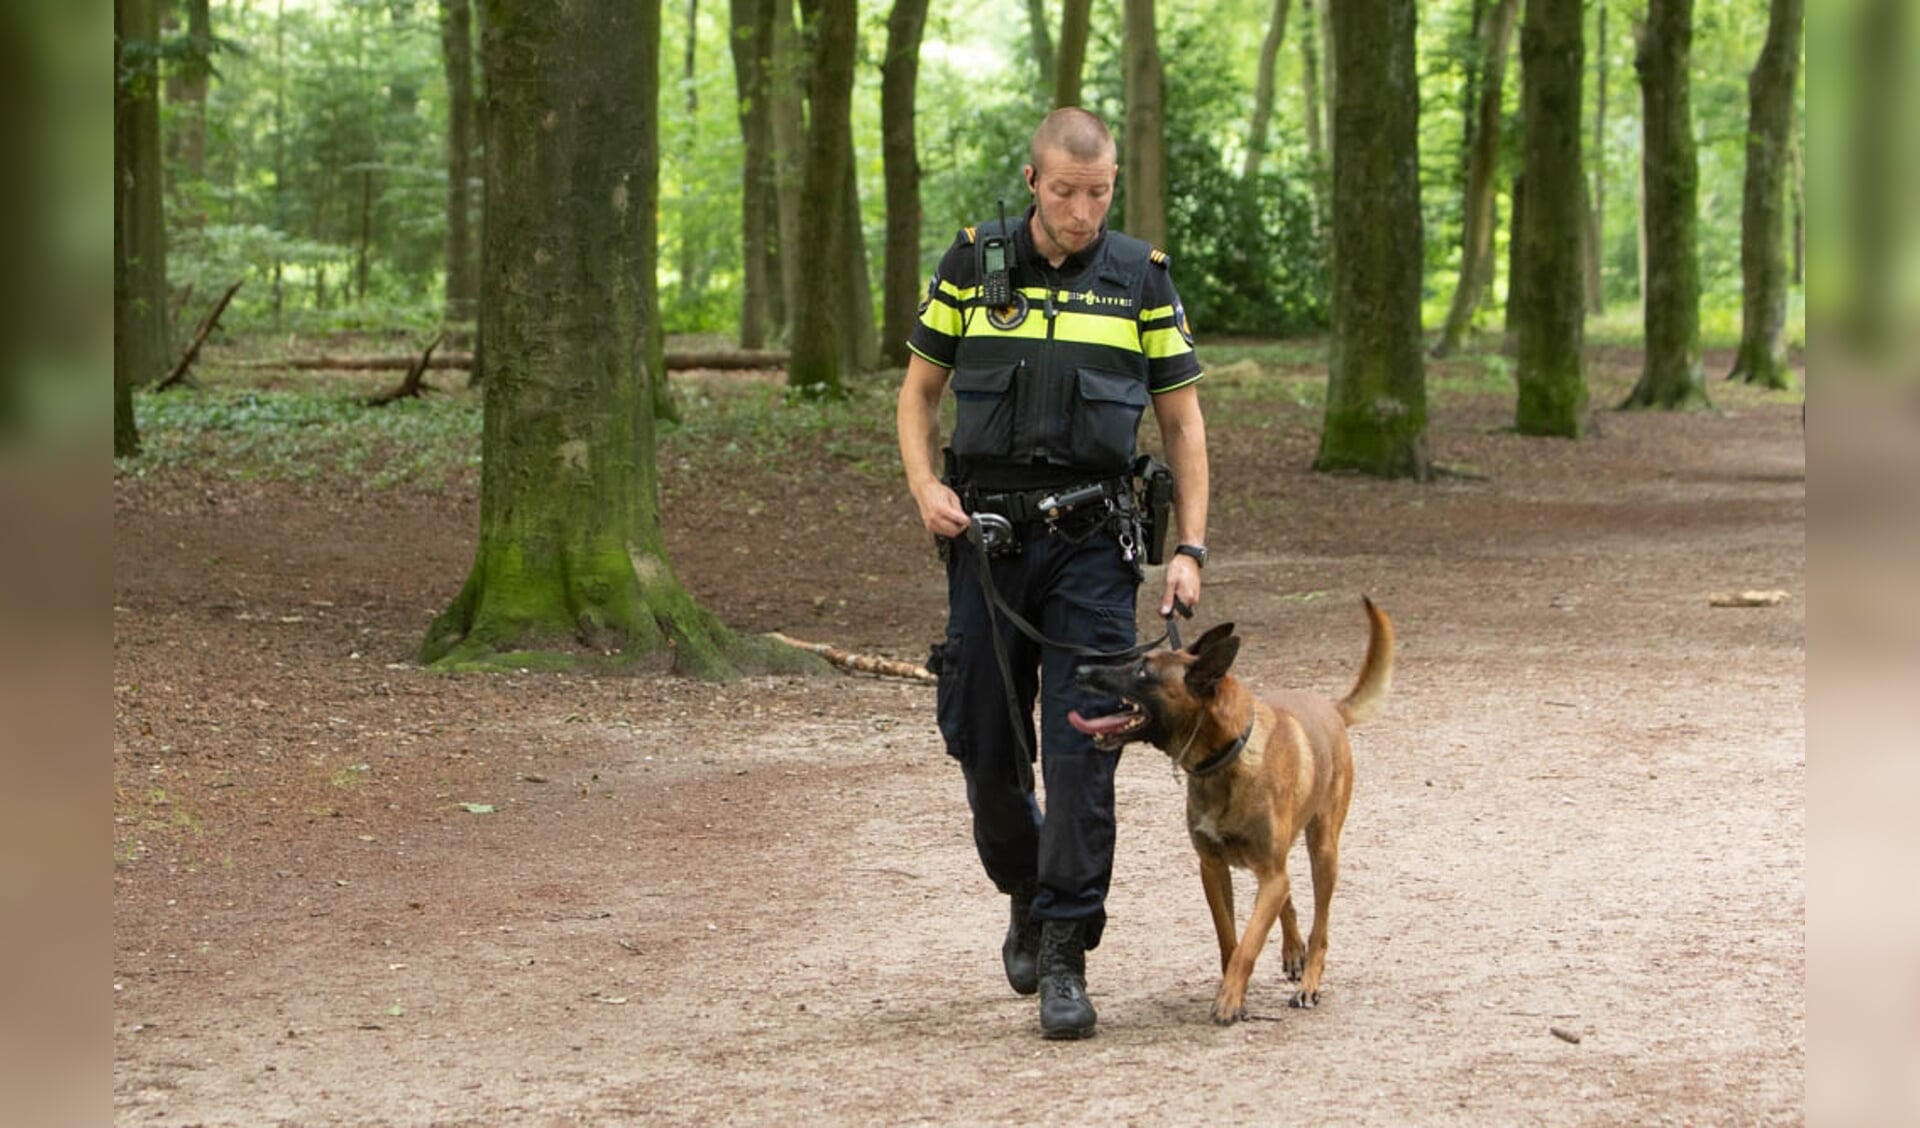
(984, 402)
(1105, 419)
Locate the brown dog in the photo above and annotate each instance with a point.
(1258, 773)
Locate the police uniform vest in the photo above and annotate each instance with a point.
(1051, 390)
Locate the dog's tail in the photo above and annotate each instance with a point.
(1376, 674)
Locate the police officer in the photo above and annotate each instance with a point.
(1049, 391)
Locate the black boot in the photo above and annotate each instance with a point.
(1020, 951)
(1064, 1009)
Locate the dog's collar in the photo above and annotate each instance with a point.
(1226, 755)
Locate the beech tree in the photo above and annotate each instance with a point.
(1376, 418)
(463, 274)
(1671, 378)
(1076, 23)
(820, 358)
(1547, 301)
(1263, 90)
(571, 561)
(139, 234)
(899, 78)
(1145, 150)
(1762, 358)
(1491, 40)
(752, 46)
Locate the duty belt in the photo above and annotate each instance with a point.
(1026, 506)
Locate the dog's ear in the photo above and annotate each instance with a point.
(1216, 651)
(1214, 634)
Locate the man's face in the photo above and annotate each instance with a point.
(1071, 198)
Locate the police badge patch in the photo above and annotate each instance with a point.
(933, 283)
(1180, 323)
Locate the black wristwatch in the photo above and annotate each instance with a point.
(1197, 551)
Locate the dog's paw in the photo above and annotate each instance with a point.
(1304, 1000)
(1224, 1015)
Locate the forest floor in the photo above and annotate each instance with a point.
(351, 891)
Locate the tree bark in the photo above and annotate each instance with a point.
(790, 71)
(860, 335)
(899, 150)
(1076, 23)
(1263, 90)
(1596, 262)
(1672, 378)
(189, 94)
(752, 44)
(1317, 164)
(1376, 418)
(1483, 165)
(1042, 42)
(819, 358)
(1762, 358)
(142, 349)
(571, 565)
(1146, 143)
(456, 39)
(1548, 302)
(692, 266)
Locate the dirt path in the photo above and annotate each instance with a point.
(1581, 808)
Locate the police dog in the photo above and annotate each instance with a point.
(1258, 774)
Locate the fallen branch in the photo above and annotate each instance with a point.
(676, 361)
(1747, 598)
(859, 663)
(187, 358)
(414, 384)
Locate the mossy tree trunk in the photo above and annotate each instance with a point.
(899, 151)
(1762, 358)
(1547, 292)
(1145, 150)
(1376, 421)
(1672, 378)
(819, 358)
(456, 38)
(140, 304)
(752, 44)
(1076, 24)
(571, 565)
(1491, 40)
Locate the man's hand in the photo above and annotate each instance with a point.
(1183, 583)
(940, 509)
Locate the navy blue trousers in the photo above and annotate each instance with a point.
(1076, 592)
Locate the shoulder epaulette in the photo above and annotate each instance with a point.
(969, 233)
(1160, 258)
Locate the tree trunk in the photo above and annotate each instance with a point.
(752, 43)
(189, 94)
(1317, 165)
(142, 349)
(1263, 90)
(456, 39)
(1042, 41)
(1596, 264)
(1762, 358)
(1548, 301)
(692, 269)
(1516, 268)
(790, 71)
(860, 335)
(1076, 23)
(899, 81)
(571, 559)
(819, 362)
(1672, 378)
(1483, 166)
(1376, 421)
(1145, 151)
(1798, 183)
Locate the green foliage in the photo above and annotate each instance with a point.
(246, 434)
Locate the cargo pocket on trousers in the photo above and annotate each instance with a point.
(984, 406)
(1109, 415)
(948, 710)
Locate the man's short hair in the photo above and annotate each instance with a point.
(1074, 131)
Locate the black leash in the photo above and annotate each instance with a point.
(997, 607)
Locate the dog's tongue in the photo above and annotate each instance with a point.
(1098, 726)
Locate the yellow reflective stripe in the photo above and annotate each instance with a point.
(1097, 329)
(942, 365)
(1156, 313)
(941, 318)
(1162, 343)
(1034, 328)
(956, 293)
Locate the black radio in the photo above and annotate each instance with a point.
(996, 266)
